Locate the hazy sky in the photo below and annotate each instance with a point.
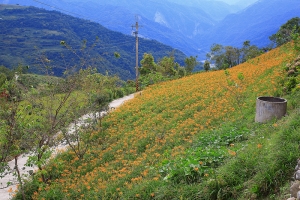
(230, 1)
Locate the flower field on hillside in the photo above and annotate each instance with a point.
(159, 124)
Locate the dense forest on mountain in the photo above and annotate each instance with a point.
(32, 36)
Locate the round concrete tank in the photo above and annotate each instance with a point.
(268, 108)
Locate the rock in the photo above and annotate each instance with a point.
(291, 72)
(294, 68)
(297, 175)
(297, 63)
(295, 189)
(292, 198)
(298, 165)
(298, 195)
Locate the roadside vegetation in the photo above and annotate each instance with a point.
(36, 111)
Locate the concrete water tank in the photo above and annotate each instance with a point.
(268, 108)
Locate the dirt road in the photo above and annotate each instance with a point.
(4, 194)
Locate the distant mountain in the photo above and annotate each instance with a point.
(255, 23)
(30, 35)
(217, 10)
(170, 23)
(244, 3)
(240, 3)
(191, 26)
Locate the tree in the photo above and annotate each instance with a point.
(224, 57)
(12, 127)
(190, 64)
(7, 74)
(228, 56)
(166, 66)
(249, 51)
(284, 34)
(51, 113)
(166, 69)
(92, 100)
(147, 64)
(181, 71)
(3, 78)
(117, 55)
(217, 55)
(232, 56)
(206, 65)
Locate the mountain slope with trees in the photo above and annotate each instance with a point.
(33, 36)
(160, 19)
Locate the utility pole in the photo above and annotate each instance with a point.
(136, 32)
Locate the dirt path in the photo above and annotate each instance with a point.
(4, 194)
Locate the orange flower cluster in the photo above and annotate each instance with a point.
(160, 124)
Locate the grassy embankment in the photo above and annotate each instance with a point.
(192, 138)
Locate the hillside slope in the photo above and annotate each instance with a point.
(192, 138)
(30, 35)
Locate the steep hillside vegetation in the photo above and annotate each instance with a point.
(193, 138)
(32, 36)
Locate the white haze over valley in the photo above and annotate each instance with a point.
(232, 2)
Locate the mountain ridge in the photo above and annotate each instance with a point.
(192, 26)
(256, 28)
(30, 34)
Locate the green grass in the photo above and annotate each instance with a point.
(263, 164)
